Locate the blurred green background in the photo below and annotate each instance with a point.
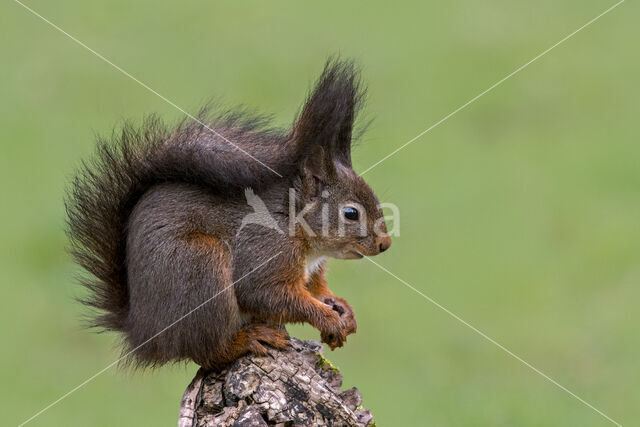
(520, 213)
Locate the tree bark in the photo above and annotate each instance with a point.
(293, 387)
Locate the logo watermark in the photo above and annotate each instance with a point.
(347, 218)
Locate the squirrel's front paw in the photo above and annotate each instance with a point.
(333, 330)
(342, 307)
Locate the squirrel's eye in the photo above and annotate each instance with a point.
(351, 213)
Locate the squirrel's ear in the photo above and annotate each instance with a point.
(328, 115)
(314, 172)
(315, 164)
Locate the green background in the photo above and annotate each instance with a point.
(520, 213)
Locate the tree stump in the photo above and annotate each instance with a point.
(293, 387)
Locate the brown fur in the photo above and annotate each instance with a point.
(155, 218)
(202, 240)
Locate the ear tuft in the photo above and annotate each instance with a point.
(327, 117)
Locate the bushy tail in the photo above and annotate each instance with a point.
(231, 153)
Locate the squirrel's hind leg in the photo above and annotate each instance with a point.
(182, 304)
(252, 338)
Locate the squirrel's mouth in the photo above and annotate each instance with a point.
(353, 255)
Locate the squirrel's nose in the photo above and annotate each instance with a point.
(383, 243)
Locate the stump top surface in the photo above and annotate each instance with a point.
(292, 387)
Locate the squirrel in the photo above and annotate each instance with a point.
(156, 219)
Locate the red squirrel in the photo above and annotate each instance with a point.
(156, 219)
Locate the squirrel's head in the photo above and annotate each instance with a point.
(342, 213)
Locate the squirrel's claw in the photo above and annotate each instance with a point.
(342, 307)
(332, 341)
